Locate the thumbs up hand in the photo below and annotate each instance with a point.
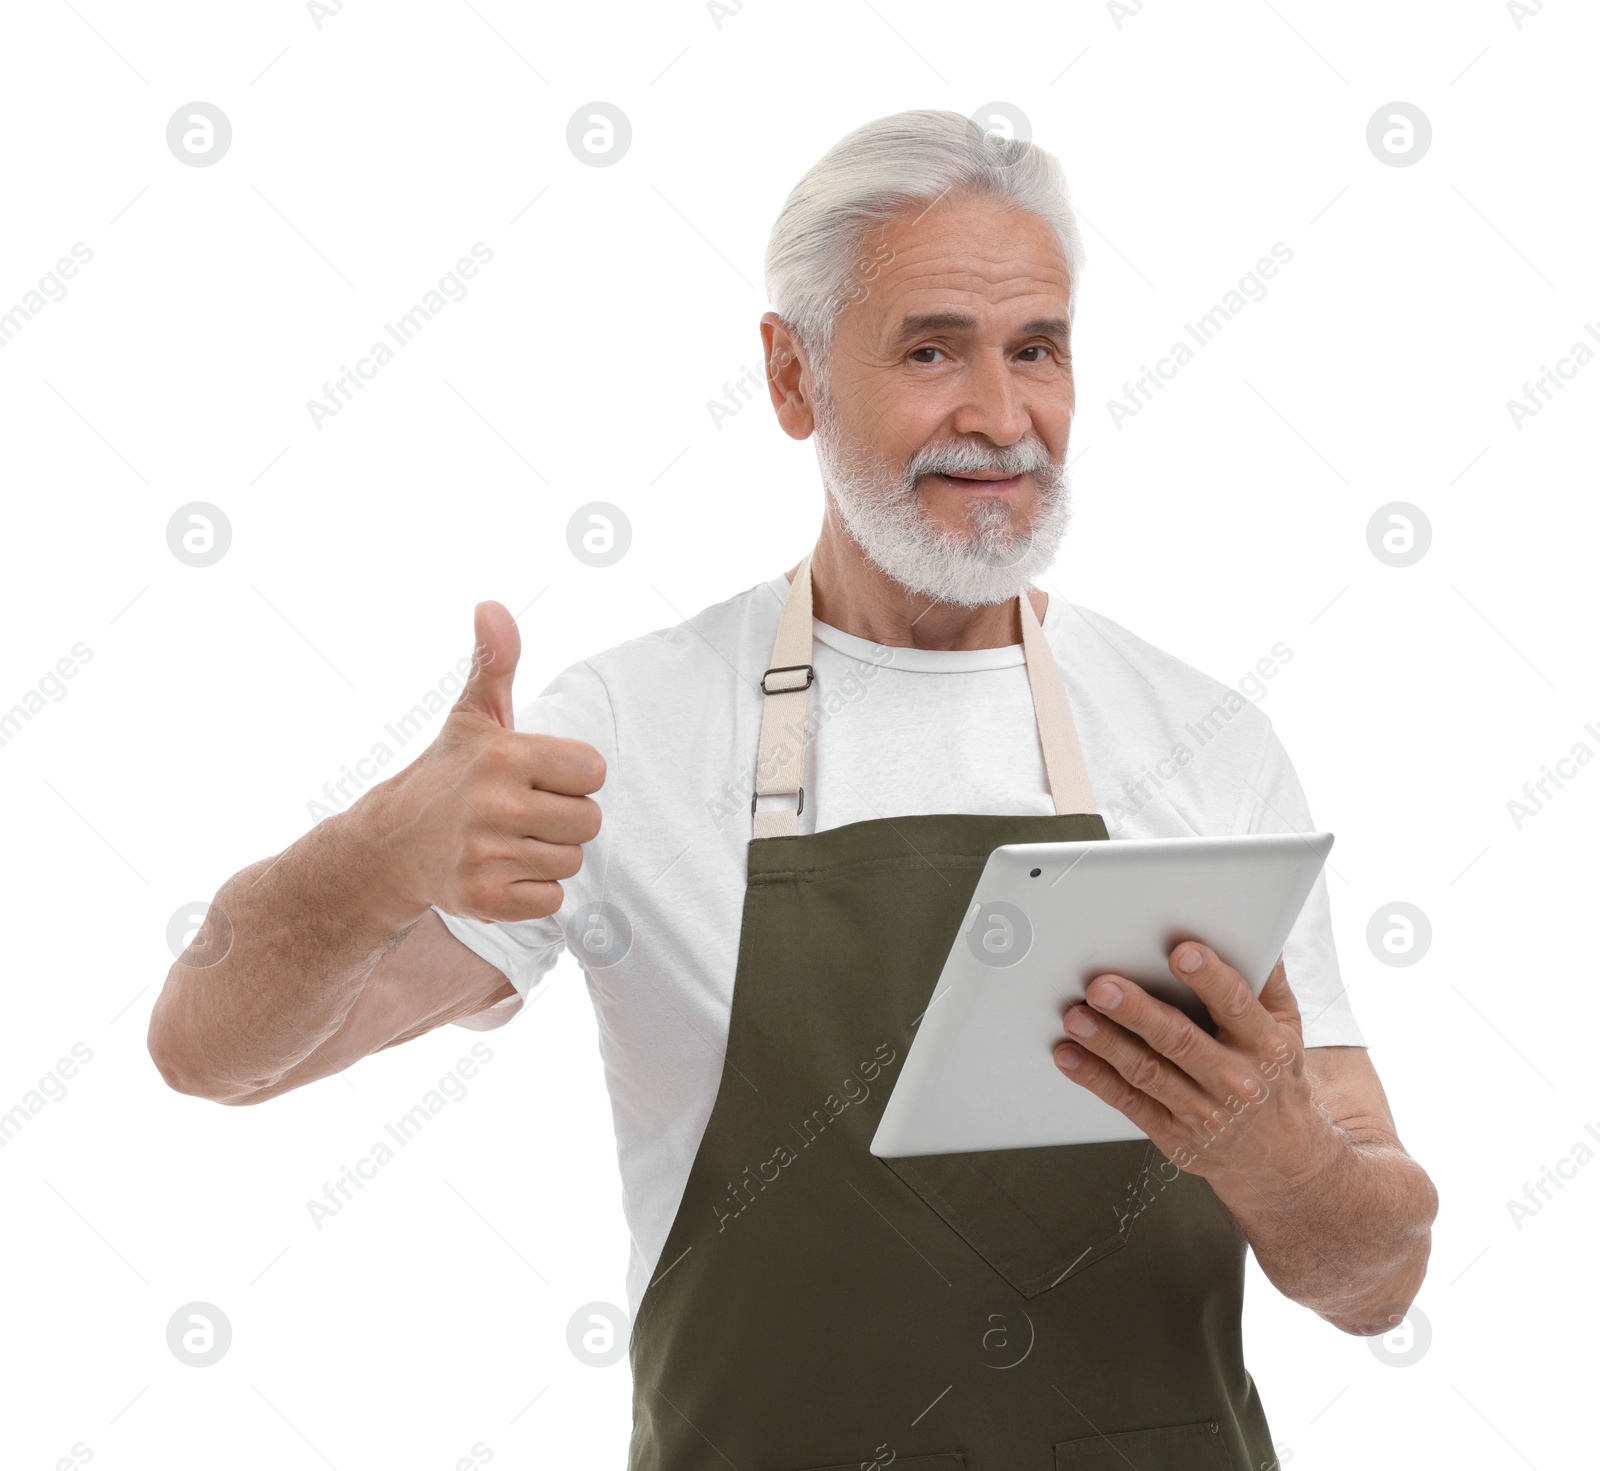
(488, 820)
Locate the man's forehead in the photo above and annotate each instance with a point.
(965, 267)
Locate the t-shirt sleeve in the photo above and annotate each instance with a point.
(575, 704)
(1275, 803)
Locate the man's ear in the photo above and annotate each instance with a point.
(788, 377)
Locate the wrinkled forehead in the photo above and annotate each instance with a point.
(969, 266)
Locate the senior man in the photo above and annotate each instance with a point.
(799, 787)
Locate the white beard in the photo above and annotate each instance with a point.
(992, 560)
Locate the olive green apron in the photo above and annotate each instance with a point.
(1012, 1310)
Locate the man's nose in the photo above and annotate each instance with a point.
(991, 402)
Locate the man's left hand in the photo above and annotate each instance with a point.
(1237, 1109)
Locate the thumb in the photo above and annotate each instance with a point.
(495, 651)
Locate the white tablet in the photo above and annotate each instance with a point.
(1044, 920)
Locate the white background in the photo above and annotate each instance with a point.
(367, 157)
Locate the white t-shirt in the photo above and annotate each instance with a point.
(1170, 752)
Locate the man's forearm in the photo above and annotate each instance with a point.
(285, 950)
(1350, 1239)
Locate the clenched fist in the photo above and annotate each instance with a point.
(487, 821)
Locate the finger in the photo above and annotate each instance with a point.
(1139, 1064)
(1280, 1001)
(548, 817)
(559, 764)
(530, 844)
(1166, 1029)
(514, 818)
(545, 862)
(494, 664)
(1226, 993)
(507, 900)
(1108, 1085)
(526, 862)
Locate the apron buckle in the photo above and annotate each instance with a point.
(800, 792)
(811, 675)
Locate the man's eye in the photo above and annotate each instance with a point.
(916, 353)
(1036, 348)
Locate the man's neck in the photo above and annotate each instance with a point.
(850, 593)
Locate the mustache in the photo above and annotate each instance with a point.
(1028, 457)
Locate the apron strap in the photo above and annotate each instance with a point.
(785, 716)
(1063, 756)
(785, 712)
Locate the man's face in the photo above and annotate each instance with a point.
(942, 427)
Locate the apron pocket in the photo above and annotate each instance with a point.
(948, 1461)
(1171, 1448)
(1037, 1216)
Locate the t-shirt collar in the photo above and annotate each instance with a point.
(935, 661)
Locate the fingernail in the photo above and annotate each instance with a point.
(1081, 1023)
(1192, 959)
(1107, 994)
(1068, 1058)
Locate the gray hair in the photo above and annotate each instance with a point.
(815, 253)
